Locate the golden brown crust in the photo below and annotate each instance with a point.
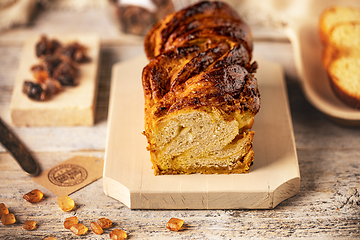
(323, 28)
(217, 18)
(343, 94)
(214, 78)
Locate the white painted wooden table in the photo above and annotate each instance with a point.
(327, 205)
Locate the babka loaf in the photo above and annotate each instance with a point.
(200, 92)
(339, 29)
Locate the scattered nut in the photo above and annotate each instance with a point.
(3, 209)
(79, 229)
(174, 224)
(29, 225)
(8, 219)
(104, 223)
(118, 234)
(96, 228)
(70, 221)
(65, 203)
(34, 196)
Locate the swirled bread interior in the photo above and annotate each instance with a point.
(200, 91)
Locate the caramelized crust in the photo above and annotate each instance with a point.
(200, 92)
(219, 77)
(204, 19)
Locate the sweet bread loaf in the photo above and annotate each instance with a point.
(339, 29)
(200, 92)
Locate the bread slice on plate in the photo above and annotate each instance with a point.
(342, 40)
(341, 58)
(344, 74)
(339, 30)
(335, 15)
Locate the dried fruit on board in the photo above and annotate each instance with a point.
(76, 52)
(65, 73)
(46, 47)
(58, 63)
(34, 90)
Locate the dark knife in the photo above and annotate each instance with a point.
(18, 150)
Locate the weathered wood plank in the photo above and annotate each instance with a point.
(326, 206)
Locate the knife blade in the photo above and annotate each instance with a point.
(17, 149)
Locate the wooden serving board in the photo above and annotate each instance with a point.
(74, 105)
(128, 176)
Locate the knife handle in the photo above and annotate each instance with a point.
(18, 150)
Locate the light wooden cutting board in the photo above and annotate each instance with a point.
(75, 105)
(128, 176)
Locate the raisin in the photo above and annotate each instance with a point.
(65, 73)
(34, 91)
(52, 86)
(41, 47)
(46, 47)
(50, 63)
(39, 73)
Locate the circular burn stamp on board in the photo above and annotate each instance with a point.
(67, 175)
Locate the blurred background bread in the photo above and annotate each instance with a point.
(339, 30)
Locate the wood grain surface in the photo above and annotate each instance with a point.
(327, 205)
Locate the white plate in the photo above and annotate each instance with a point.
(305, 40)
(129, 178)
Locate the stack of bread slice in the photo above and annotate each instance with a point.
(339, 29)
